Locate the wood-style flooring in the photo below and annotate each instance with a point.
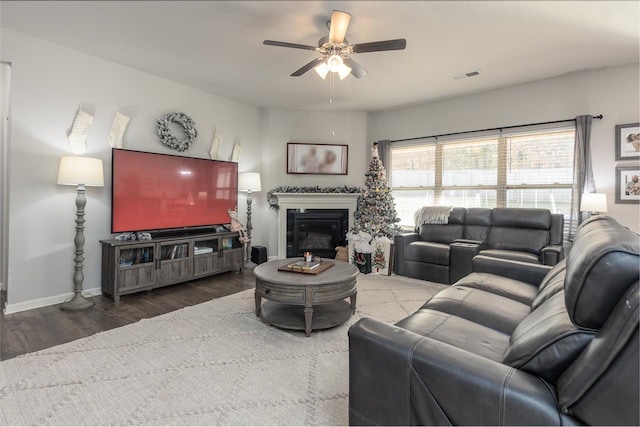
(41, 328)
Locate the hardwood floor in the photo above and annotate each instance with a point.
(46, 327)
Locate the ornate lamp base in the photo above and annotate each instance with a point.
(78, 302)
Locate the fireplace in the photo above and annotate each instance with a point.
(318, 231)
(308, 201)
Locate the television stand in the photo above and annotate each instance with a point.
(139, 265)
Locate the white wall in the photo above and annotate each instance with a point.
(282, 126)
(613, 92)
(48, 84)
(5, 96)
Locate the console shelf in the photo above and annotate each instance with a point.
(134, 266)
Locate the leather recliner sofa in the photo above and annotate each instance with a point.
(492, 350)
(444, 252)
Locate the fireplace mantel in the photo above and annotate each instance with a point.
(310, 201)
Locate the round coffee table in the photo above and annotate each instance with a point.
(322, 295)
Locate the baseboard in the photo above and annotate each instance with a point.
(44, 302)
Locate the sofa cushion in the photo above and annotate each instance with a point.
(504, 286)
(476, 224)
(606, 374)
(603, 250)
(522, 218)
(524, 230)
(480, 307)
(445, 233)
(518, 239)
(546, 342)
(512, 255)
(552, 283)
(456, 331)
(427, 252)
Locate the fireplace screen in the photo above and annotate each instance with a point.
(318, 231)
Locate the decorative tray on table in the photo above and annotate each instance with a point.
(304, 267)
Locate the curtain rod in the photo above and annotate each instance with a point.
(485, 130)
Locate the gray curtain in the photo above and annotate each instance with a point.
(384, 151)
(582, 171)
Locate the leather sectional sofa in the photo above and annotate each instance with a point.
(444, 252)
(493, 350)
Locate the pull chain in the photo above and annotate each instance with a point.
(331, 92)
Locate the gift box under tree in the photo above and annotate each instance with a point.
(381, 257)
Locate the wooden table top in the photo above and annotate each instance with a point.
(340, 272)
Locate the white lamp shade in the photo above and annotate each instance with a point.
(322, 70)
(74, 170)
(249, 181)
(334, 63)
(593, 202)
(344, 71)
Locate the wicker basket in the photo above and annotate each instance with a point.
(342, 253)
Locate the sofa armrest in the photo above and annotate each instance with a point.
(397, 377)
(552, 254)
(400, 242)
(461, 253)
(518, 270)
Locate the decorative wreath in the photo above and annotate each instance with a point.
(171, 141)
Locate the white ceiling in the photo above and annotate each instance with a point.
(217, 46)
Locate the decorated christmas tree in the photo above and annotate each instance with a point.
(376, 214)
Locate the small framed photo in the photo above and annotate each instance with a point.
(628, 141)
(627, 184)
(319, 159)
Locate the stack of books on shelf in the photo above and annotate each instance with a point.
(135, 256)
(199, 250)
(175, 251)
(304, 265)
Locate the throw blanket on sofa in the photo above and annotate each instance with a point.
(432, 215)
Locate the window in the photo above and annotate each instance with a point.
(530, 168)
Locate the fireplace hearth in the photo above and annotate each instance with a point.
(318, 231)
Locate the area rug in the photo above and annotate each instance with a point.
(210, 364)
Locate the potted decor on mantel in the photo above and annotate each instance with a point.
(374, 226)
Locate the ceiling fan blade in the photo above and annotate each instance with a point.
(307, 67)
(338, 27)
(356, 69)
(397, 44)
(285, 44)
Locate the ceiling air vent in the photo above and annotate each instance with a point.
(465, 75)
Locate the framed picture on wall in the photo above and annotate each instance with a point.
(319, 159)
(628, 184)
(628, 141)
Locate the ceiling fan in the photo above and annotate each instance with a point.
(335, 49)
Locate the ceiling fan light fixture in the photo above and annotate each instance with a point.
(322, 70)
(334, 63)
(344, 71)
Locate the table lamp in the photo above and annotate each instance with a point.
(594, 202)
(248, 182)
(81, 172)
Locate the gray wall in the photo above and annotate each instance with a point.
(612, 91)
(49, 82)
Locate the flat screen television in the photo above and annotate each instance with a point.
(153, 192)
